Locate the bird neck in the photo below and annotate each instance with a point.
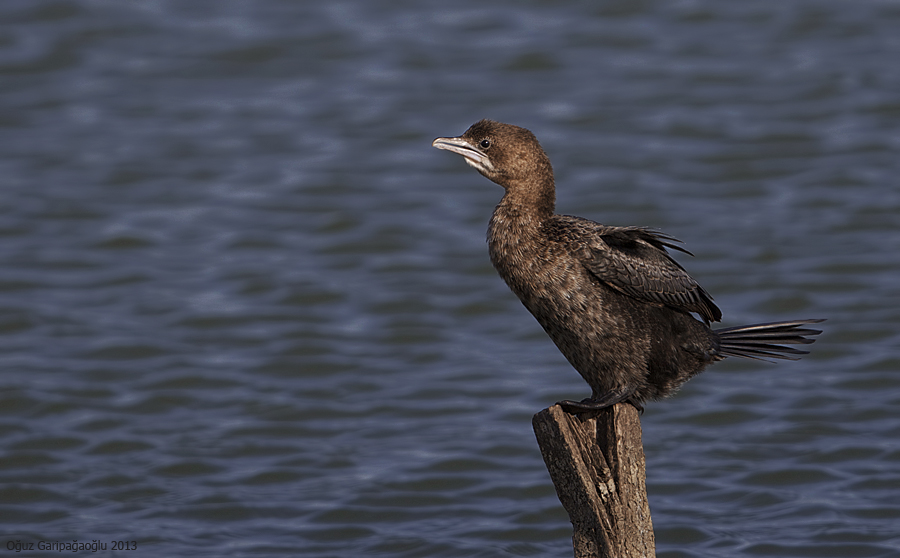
(514, 229)
(532, 200)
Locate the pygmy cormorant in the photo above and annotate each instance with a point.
(612, 299)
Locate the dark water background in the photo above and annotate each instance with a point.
(247, 310)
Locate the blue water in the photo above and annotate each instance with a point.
(246, 309)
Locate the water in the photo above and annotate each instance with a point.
(246, 309)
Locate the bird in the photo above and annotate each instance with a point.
(624, 313)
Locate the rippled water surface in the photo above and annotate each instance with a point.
(246, 309)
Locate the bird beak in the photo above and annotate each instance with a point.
(473, 156)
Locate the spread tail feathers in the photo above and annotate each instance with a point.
(762, 341)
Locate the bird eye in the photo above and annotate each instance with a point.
(485, 143)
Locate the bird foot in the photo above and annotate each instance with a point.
(598, 403)
(583, 406)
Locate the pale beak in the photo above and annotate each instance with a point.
(473, 156)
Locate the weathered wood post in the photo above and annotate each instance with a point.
(596, 462)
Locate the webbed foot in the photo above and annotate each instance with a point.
(596, 403)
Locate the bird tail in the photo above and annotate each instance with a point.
(762, 341)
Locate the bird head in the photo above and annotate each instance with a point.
(503, 153)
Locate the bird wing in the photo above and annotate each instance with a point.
(635, 261)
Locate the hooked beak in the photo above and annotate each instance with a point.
(473, 156)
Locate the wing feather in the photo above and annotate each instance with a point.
(635, 261)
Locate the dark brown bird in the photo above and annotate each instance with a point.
(612, 298)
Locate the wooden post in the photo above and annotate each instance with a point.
(596, 462)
